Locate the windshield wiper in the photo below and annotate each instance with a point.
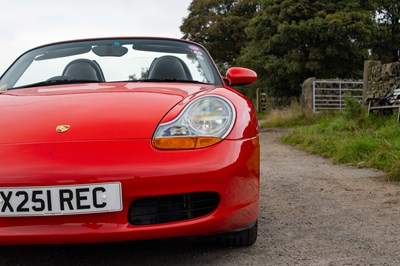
(55, 82)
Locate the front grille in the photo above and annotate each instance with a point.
(172, 208)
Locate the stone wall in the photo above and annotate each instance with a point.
(306, 97)
(380, 79)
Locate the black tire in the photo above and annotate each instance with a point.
(242, 238)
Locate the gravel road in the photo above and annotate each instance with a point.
(318, 213)
(312, 212)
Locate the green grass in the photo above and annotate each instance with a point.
(261, 116)
(292, 116)
(351, 137)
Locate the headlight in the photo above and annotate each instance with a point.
(204, 122)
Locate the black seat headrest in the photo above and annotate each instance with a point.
(169, 67)
(84, 69)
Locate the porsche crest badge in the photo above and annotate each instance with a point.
(62, 128)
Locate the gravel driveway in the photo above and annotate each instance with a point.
(312, 213)
(318, 213)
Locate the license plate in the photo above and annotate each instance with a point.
(60, 200)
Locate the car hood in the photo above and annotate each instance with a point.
(105, 111)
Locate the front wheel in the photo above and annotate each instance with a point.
(246, 237)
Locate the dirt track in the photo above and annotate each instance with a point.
(317, 213)
(312, 213)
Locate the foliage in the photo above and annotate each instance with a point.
(292, 40)
(219, 25)
(261, 116)
(387, 15)
(288, 41)
(352, 137)
(290, 116)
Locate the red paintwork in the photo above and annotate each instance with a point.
(241, 76)
(110, 140)
(142, 171)
(94, 111)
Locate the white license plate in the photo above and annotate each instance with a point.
(60, 200)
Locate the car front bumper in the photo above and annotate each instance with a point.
(229, 169)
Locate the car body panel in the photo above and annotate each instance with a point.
(36, 115)
(142, 171)
(97, 132)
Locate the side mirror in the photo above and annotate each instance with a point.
(240, 76)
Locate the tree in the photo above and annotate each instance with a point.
(387, 15)
(292, 40)
(219, 25)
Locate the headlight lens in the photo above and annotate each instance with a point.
(202, 123)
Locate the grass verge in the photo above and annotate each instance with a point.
(290, 117)
(349, 137)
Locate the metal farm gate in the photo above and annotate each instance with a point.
(331, 94)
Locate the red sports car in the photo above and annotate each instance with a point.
(118, 139)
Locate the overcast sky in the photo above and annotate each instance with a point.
(25, 24)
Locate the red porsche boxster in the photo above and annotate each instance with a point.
(119, 139)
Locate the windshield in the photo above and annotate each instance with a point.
(112, 60)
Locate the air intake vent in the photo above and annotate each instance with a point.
(172, 208)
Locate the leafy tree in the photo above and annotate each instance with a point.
(292, 40)
(219, 25)
(387, 15)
